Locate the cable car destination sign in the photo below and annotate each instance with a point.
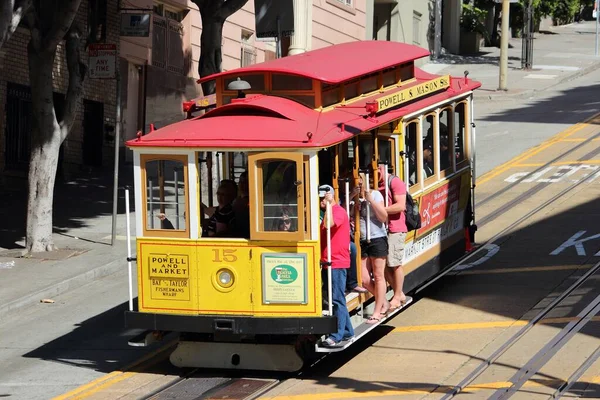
(412, 93)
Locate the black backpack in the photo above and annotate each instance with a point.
(413, 217)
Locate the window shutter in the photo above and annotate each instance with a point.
(175, 58)
(159, 45)
(248, 55)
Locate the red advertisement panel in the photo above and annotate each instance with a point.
(438, 205)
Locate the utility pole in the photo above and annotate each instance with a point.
(527, 47)
(437, 39)
(597, 22)
(117, 149)
(504, 45)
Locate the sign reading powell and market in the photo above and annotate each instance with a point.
(284, 278)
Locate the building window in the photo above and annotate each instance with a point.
(417, 28)
(96, 21)
(248, 51)
(167, 39)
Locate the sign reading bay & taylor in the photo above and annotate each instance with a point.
(412, 93)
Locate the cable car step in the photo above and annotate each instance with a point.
(360, 331)
(146, 338)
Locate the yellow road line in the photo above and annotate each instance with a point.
(483, 325)
(525, 269)
(385, 391)
(114, 377)
(579, 140)
(97, 389)
(88, 385)
(558, 163)
(531, 152)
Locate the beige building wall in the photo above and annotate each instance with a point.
(338, 21)
(407, 21)
(92, 146)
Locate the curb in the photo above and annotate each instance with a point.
(61, 287)
(529, 92)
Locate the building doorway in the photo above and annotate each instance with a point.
(93, 132)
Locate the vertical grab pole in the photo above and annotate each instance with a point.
(176, 184)
(473, 152)
(129, 249)
(387, 190)
(329, 294)
(151, 203)
(347, 189)
(368, 188)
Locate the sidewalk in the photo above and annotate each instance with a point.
(83, 206)
(559, 55)
(82, 232)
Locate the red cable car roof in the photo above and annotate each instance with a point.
(263, 121)
(335, 64)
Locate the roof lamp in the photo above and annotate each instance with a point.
(240, 86)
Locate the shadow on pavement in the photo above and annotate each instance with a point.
(568, 107)
(77, 203)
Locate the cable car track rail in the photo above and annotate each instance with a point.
(534, 321)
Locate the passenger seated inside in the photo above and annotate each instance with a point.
(427, 162)
(220, 223)
(164, 221)
(285, 224)
(241, 209)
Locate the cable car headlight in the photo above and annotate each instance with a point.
(225, 278)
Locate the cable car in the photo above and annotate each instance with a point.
(227, 209)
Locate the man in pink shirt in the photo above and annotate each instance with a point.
(396, 205)
(339, 226)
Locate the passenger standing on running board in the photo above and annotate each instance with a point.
(396, 205)
(337, 222)
(373, 244)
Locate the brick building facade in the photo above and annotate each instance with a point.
(90, 141)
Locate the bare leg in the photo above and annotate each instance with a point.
(366, 268)
(381, 304)
(396, 277)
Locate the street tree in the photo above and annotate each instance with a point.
(11, 14)
(49, 22)
(214, 13)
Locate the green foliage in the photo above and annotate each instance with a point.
(472, 19)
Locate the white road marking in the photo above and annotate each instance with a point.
(577, 243)
(492, 249)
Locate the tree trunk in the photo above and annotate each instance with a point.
(210, 57)
(45, 145)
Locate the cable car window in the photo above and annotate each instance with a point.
(389, 77)
(445, 137)
(330, 96)
(385, 151)
(428, 146)
(351, 89)
(407, 72)
(280, 196)
(411, 149)
(290, 82)
(369, 83)
(365, 148)
(165, 195)
(459, 132)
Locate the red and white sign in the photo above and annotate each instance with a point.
(102, 61)
(438, 205)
